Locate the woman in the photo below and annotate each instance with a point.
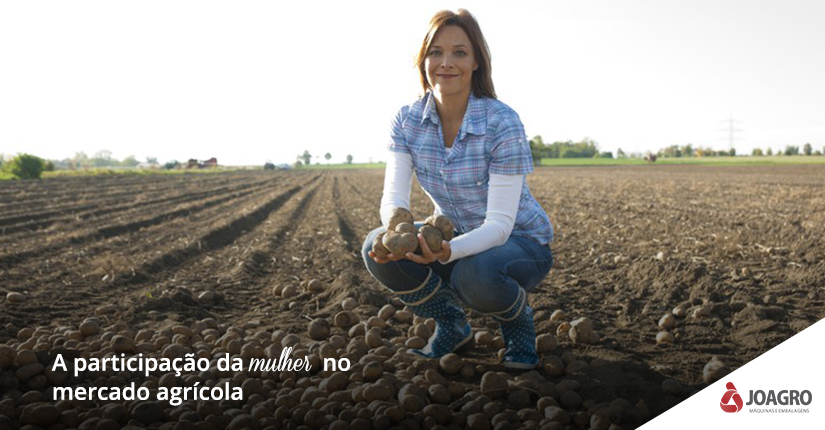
(470, 154)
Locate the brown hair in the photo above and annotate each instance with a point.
(482, 82)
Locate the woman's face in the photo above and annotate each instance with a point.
(450, 62)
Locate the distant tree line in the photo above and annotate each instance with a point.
(676, 151)
(807, 149)
(586, 148)
(306, 158)
(100, 159)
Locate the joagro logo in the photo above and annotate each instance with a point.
(732, 401)
(729, 395)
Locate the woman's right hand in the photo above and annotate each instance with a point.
(390, 257)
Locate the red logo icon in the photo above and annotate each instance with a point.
(731, 394)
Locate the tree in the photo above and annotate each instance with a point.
(152, 160)
(171, 165)
(130, 161)
(102, 158)
(620, 153)
(757, 152)
(791, 150)
(537, 149)
(349, 159)
(327, 156)
(770, 151)
(732, 152)
(25, 166)
(807, 149)
(81, 160)
(307, 157)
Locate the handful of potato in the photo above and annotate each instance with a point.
(401, 236)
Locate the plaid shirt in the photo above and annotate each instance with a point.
(491, 140)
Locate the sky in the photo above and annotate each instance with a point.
(252, 81)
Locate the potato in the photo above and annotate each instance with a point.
(671, 386)
(372, 371)
(451, 363)
(378, 246)
(318, 329)
(484, 337)
(432, 236)
(400, 243)
(664, 337)
(415, 342)
(493, 385)
(373, 338)
(345, 319)
(701, 312)
(667, 322)
(386, 312)
(553, 366)
(349, 303)
(546, 342)
(563, 329)
(399, 215)
(443, 224)
(714, 370)
(405, 227)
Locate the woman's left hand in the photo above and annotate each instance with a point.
(428, 256)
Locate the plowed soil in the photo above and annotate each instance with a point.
(632, 243)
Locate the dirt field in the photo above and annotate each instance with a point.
(742, 245)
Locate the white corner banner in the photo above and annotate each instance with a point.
(783, 388)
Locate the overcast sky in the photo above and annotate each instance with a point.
(253, 81)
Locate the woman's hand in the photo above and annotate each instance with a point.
(428, 256)
(390, 257)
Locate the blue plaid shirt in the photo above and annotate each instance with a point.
(491, 140)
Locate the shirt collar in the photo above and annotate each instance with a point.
(475, 117)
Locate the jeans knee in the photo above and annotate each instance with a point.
(484, 289)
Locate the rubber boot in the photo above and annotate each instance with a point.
(435, 299)
(519, 333)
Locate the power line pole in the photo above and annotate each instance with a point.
(731, 130)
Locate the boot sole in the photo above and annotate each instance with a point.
(465, 345)
(520, 366)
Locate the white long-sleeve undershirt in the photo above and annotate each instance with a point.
(503, 195)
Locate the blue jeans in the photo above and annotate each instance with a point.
(486, 282)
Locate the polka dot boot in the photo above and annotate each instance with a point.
(435, 299)
(519, 333)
